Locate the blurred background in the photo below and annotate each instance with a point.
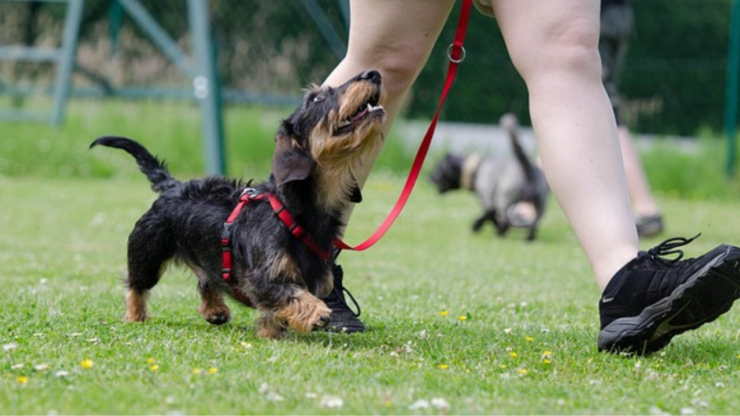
(265, 53)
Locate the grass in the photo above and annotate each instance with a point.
(454, 316)
(480, 324)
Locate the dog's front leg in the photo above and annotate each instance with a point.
(304, 312)
(299, 310)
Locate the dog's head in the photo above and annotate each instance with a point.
(448, 172)
(330, 134)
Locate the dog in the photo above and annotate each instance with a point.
(250, 253)
(500, 183)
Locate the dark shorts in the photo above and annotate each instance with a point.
(617, 23)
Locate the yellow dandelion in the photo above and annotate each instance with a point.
(22, 379)
(150, 360)
(546, 354)
(590, 360)
(528, 339)
(196, 371)
(444, 313)
(155, 367)
(738, 356)
(523, 371)
(87, 364)
(462, 317)
(213, 370)
(547, 361)
(512, 354)
(503, 366)
(443, 366)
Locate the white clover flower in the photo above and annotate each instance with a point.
(332, 402)
(440, 403)
(419, 404)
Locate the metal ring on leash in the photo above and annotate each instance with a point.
(449, 54)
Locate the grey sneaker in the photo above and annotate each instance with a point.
(652, 299)
(649, 226)
(343, 319)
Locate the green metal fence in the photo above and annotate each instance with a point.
(679, 78)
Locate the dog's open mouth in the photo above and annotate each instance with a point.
(369, 109)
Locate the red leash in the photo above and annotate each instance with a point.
(456, 54)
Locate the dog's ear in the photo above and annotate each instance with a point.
(290, 162)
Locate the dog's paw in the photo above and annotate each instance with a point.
(216, 315)
(269, 327)
(322, 323)
(135, 316)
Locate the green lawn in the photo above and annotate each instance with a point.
(466, 324)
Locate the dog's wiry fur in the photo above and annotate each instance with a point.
(500, 183)
(317, 149)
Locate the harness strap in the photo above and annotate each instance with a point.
(298, 232)
(226, 257)
(456, 53)
(295, 228)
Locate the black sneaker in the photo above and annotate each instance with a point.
(343, 319)
(652, 299)
(649, 226)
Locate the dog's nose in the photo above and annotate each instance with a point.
(372, 76)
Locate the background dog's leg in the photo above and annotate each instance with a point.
(478, 223)
(212, 307)
(149, 248)
(501, 222)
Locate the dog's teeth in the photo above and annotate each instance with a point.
(344, 123)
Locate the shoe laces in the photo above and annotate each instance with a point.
(338, 298)
(670, 247)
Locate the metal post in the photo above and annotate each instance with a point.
(731, 86)
(205, 87)
(158, 35)
(67, 59)
(326, 29)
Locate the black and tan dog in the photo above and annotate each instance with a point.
(501, 183)
(281, 267)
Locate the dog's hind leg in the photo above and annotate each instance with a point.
(149, 249)
(488, 215)
(212, 308)
(479, 222)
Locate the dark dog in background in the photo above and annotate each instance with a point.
(279, 271)
(501, 183)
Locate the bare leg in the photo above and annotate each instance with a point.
(554, 47)
(396, 38)
(643, 202)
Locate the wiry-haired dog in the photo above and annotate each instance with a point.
(282, 272)
(500, 183)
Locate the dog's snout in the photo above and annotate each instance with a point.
(372, 76)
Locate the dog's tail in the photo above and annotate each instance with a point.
(155, 170)
(510, 123)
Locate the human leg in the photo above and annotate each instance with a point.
(643, 203)
(395, 37)
(647, 299)
(553, 44)
(616, 30)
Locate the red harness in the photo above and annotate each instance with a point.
(249, 195)
(456, 54)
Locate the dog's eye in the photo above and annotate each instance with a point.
(318, 99)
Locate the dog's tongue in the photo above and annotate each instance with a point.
(360, 115)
